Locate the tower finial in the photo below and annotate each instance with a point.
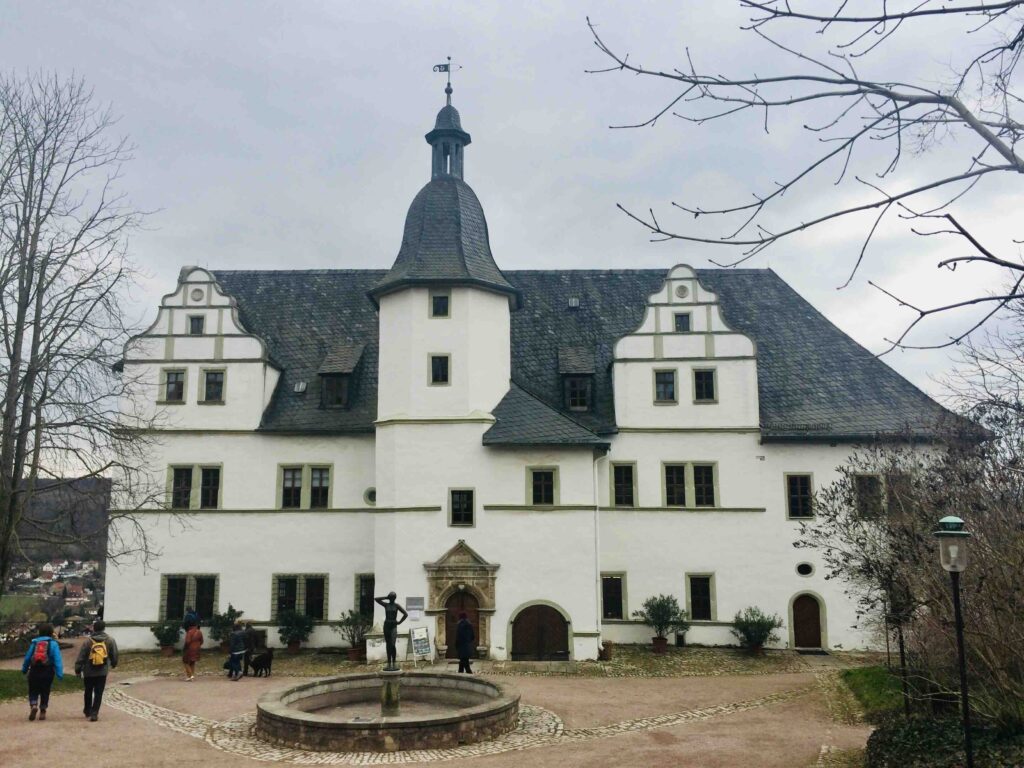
(448, 87)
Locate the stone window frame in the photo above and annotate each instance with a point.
(430, 369)
(195, 490)
(690, 488)
(300, 592)
(188, 326)
(356, 583)
(786, 494)
(675, 322)
(555, 485)
(675, 386)
(306, 485)
(714, 386)
(611, 484)
(858, 509)
(621, 575)
(202, 385)
(446, 292)
(162, 392)
(714, 483)
(712, 594)
(190, 591)
(472, 511)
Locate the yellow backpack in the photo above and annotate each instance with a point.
(98, 653)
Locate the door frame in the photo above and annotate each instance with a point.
(822, 618)
(450, 642)
(529, 604)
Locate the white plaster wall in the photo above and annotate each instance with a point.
(751, 553)
(244, 550)
(476, 335)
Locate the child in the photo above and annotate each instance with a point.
(42, 663)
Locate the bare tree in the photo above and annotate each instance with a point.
(978, 107)
(64, 411)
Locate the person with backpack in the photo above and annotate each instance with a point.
(42, 664)
(96, 657)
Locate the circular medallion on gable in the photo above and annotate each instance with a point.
(197, 294)
(805, 569)
(682, 291)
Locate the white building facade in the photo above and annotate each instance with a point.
(542, 450)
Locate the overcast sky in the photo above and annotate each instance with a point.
(290, 135)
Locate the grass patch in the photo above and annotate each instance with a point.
(11, 605)
(13, 685)
(877, 689)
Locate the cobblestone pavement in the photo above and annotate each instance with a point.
(538, 727)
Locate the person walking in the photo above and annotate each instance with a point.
(236, 647)
(96, 657)
(42, 664)
(191, 650)
(250, 647)
(465, 643)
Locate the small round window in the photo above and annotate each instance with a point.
(805, 569)
(682, 291)
(370, 497)
(197, 294)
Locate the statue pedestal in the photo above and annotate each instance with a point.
(390, 697)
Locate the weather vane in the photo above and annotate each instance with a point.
(448, 69)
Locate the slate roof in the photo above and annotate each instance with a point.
(814, 381)
(445, 240)
(448, 119)
(578, 360)
(524, 419)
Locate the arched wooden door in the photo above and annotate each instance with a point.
(540, 633)
(460, 602)
(806, 622)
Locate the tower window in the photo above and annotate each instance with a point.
(704, 485)
(291, 487)
(543, 486)
(439, 370)
(209, 488)
(440, 304)
(461, 507)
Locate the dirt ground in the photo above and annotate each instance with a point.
(786, 733)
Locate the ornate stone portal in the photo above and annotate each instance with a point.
(461, 569)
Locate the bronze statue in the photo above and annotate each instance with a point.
(391, 611)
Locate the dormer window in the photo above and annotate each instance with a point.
(196, 325)
(334, 391)
(578, 392)
(336, 375)
(576, 365)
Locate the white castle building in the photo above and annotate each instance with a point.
(543, 449)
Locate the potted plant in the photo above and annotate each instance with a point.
(294, 629)
(663, 615)
(221, 625)
(167, 633)
(754, 628)
(353, 628)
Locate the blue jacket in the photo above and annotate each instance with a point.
(55, 660)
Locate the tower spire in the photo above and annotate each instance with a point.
(447, 140)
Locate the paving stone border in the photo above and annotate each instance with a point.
(537, 727)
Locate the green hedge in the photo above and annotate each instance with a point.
(938, 743)
(878, 690)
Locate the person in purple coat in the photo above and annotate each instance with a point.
(42, 664)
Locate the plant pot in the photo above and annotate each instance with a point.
(354, 653)
(293, 646)
(166, 650)
(660, 644)
(606, 651)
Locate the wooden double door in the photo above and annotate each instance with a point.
(460, 602)
(540, 633)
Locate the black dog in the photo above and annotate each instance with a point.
(261, 665)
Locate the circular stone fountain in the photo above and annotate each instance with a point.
(343, 714)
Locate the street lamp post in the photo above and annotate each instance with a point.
(953, 554)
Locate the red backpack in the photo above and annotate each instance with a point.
(41, 654)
